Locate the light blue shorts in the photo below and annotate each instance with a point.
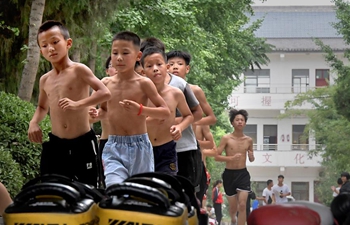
(124, 156)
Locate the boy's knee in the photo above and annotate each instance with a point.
(242, 206)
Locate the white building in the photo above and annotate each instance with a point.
(296, 65)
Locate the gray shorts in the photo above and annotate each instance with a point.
(124, 156)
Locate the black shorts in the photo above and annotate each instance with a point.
(165, 158)
(203, 186)
(190, 166)
(234, 180)
(73, 158)
(101, 145)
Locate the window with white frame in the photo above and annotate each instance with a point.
(300, 80)
(251, 131)
(257, 81)
(300, 191)
(321, 77)
(270, 137)
(299, 138)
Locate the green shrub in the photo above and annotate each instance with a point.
(10, 173)
(15, 115)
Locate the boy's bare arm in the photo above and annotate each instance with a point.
(273, 198)
(102, 111)
(97, 114)
(197, 113)
(220, 149)
(101, 93)
(43, 103)
(161, 110)
(34, 131)
(187, 117)
(210, 118)
(210, 152)
(251, 151)
(208, 141)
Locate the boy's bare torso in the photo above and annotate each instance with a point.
(68, 123)
(121, 122)
(237, 145)
(159, 131)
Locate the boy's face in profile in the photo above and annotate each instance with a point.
(178, 67)
(239, 122)
(52, 44)
(124, 55)
(155, 68)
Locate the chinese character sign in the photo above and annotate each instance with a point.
(234, 101)
(266, 158)
(299, 158)
(266, 101)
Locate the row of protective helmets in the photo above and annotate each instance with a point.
(143, 199)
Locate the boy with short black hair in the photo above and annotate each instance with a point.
(65, 92)
(187, 145)
(236, 178)
(128, 150)
(280, 191)
(163, 133)
(179, 64)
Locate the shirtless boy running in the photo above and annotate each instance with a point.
(64, 91)
(236, 178)
(163, 133)
(128, 150)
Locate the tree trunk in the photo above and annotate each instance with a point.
(92, 56)
(76, 54)
(33, 55)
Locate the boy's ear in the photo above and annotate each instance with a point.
(69, 43)
(167, 66)
(139, 55)
(188, 69)
(143, 73)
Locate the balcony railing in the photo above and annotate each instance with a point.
(284, 147)
(278, 89)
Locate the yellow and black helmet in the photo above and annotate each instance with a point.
(53, 199)
(142, 200)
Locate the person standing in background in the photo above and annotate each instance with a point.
(337, 189)
(217, 200)
(280, 191)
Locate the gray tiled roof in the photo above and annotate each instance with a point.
(296, 24)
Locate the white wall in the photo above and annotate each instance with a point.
(281, 70)
(290, 175)
(292, 2)
(281, 89)
(284, 127)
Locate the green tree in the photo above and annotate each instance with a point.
(14, 117)
(331, 131)
(33, 54)
(85, 19)
(214, 32)
(342, 91)
(330, 116)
